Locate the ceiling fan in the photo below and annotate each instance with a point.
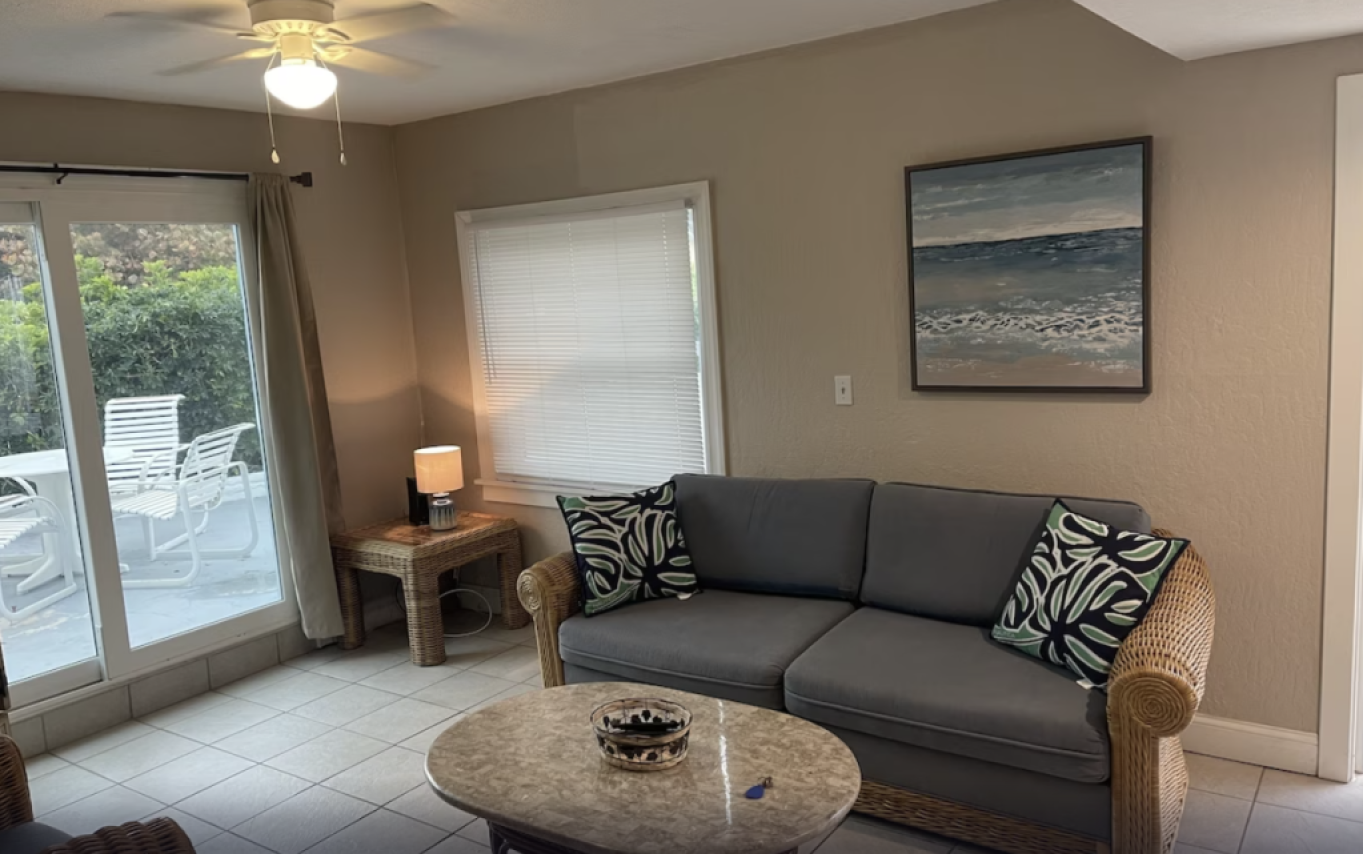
(303, 37)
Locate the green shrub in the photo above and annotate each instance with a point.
(173, 332)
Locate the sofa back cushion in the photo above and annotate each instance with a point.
(797, 537)
(954, 554)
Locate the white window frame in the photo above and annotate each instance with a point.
(697, 197)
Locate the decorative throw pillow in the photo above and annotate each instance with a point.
(629, 548)
(1085, 586)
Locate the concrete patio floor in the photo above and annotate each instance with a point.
(62, 633)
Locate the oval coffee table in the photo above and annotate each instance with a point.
(531, 767)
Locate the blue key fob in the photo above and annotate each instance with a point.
(756, 792)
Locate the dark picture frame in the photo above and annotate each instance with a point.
(1023, 274)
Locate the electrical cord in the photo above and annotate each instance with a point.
(397, 597)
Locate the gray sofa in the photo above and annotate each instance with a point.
(866, 608)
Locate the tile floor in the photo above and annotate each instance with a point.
(324, 755)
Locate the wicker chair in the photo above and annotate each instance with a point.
(159, 836)
(1156, 686)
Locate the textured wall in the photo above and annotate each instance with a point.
(805, 149)
(351, 229)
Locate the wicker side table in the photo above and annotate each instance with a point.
(418, 556)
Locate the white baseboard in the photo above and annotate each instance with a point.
(1256, 744)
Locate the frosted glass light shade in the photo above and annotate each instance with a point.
(301, 83)
(439, 469)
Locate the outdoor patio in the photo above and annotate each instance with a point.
(62, 634)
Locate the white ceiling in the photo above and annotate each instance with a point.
(499, 51)
(505, 50)
(1194, 29)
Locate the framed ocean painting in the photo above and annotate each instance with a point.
(1031, 271)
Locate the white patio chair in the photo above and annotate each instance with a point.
(150, 426)
(196, 486)
(30, 513)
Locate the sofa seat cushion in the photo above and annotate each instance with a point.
(719, 642)
(30, 838)
(948, 687)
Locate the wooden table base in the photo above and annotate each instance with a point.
(504, 841)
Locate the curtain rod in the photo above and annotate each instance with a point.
(303, 179)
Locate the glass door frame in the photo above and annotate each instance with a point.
(129, 200)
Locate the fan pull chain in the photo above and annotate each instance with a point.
(336, 99)
(274, 148)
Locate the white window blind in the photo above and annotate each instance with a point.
(588, 333)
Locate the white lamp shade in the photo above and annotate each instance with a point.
(301, 83)
(439, 469)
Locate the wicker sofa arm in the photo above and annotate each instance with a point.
(158, 836)
(1154, 690)
(550, 591)
(1160, 673)
(16, 806)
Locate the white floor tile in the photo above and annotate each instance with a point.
(399, 720)
(140, 755)
(43, 764)
(462, 653)
(1181, 848)
(64, 786)
(258, 681)
(866, 836)
(187, 709)
(114, 805)
(102, 741)
(228, 843)
(475, 830)
(221, 721)
(381, 831)
(345, 705)
(288, 694)
(514, 691)
(421, 742)
(423, 804)
(1276, 830)
(361, 664)
(317, 658)
(242, 797)
(1312, 794)
(193, 772)
(463, 690)
(459, 845)
(406, 678)
(303, 820)
(198, 830)
(1215, 822)
(1223, 777)
(516, 664)
(383, 777)
(327, 755)
(271, 738)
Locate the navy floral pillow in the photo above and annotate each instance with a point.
(629, 548)
(1085, 587)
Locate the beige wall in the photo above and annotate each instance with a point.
(805, 150)
(352, 233)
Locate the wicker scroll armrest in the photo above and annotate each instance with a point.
(1154, 690)
(158, 836)
(549, 590)
(16, 806)
(1161, 670)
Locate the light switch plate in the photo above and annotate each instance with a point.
(842, 390)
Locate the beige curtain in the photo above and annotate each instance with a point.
(302, 453)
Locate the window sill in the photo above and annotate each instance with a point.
(534, 494)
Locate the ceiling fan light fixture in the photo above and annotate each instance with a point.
(301, 83)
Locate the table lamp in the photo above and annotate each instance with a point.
(440, 471)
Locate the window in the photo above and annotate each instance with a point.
(593, 341)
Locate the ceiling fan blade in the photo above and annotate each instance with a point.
(373, 62)
(207, 64)
(186, 21)
(383, 24)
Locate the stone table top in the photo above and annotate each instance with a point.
(531, 764)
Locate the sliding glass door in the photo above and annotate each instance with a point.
(161, 509)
